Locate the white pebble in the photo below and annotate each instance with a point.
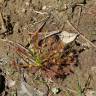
(44, 7)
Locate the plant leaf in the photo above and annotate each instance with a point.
(67, 37)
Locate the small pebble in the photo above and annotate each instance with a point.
(44, 7)
(56, 90)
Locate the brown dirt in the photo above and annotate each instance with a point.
(20, 17)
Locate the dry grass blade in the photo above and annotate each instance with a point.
(39, 12)
(81, 34)
(42, 24)
(87, 83)
(2, 23)
(21, 51)
(71, 90)
(53, 33)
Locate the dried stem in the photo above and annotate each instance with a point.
(81, 34)
(2, 22)
(25, 55)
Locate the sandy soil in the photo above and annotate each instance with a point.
(20, 17)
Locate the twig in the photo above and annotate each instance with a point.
(43, 24)
(87, 83)
(79, 16)
(73, 91)
(2, 22)
(38, 12)
(53, 33)
(81, 34)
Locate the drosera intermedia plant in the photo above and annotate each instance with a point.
(36, 57)
(50, 54)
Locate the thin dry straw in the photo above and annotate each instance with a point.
(80, 34)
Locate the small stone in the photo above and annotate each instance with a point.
(23, 10)
(56, 90)
(11, 83)
(27, 3)
(44, 7)
(90, 93)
